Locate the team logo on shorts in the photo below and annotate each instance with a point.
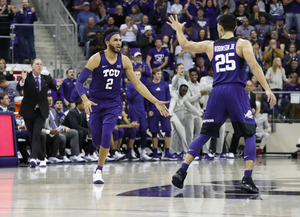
(248, 115)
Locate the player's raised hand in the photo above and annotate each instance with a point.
(88, 106)
(174, 23)
(271, 98)
(160, 105)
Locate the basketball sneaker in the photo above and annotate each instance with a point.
(97, 177)
(178, 178)
(249, 186)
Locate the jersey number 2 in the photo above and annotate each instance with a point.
(223, 62)
(109, 83)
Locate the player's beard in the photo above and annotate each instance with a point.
(113, 49)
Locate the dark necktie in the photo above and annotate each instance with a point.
(37, 83)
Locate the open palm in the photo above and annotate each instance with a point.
(174, 23)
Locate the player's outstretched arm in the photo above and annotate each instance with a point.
(142, 89)
(247, 53)
(197, 47)
(92, 63)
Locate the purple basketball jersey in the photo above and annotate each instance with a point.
(228, 66)
(106, 78)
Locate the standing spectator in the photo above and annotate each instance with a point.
(244, 29)
(129, 32)
(271, 53)
(102, 16)
(142, 67)
(136, 14)
(184, 57)
(230, 3)
(157, 57)
(25, 33)
(95, 6)
(262, 29)
(6, 16)
(263, 128)
(82, 20)
(34, 107)
(246, 5)
(258, 54)
(280, 28)
(179, 78)
(292, 40)
(9, 87)
(240, 14)
(290, 56)
(76, 7)
(146, 41)
(68, 85)
(276, 9)
(157, 17)
(127, 5)
(210, 7)
(9, 75)
(292, 8)
(146, 6)
(119, 16)
(177, 9)
(198, 23)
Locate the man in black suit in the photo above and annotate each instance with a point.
(34, 107)
(76, 119)
(252, 97)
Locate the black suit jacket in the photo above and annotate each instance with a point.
(32, 98)
(252, 100)
(76, 121)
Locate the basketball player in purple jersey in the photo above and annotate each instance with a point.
(228, 97)
(105, 103)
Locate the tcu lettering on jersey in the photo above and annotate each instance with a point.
(111, 72)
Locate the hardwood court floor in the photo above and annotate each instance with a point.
(144, 189)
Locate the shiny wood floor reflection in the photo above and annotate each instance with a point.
(143, 189)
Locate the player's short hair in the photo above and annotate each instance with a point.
(2, 78)
(108, 31)
(155, 70)
(58, 100)
(78, 102)
(177, 65)
(228, 22)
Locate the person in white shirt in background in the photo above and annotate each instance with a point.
(179, 78)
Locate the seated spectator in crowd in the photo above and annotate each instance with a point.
(68, 85)
(290, 56)
(291, 40)
(142, 67)
(280, 28)
(224, 10)
(229, 3)
(210, 7)
(294, 68)
(159, 89)
(258, 54)
(137, 113)
(167, 30)
(181, 112)
(240, 14)
(136, 14)
(119, 16)
(202, 35)
(110, 23)
(126, 52)
(129, 32)
(146, 6)
(4, 102)
(177, 9)
(254, 38)
(102, 16)
(244, 29)
(276, 9)
(95, 6)
(185, 57)
(292, 9)
(96, 44)
(142, 25)
(127, 5)
(279, 42)
(201, 68)
(246, 5)
(8, 75)
(82, 20)
(158, 57)
(58, 106)
(286, 106)
(146, 41)
(256, 14)
(271, 53)
(25, 33)
(192, 7)
(179, 78)
(157, 17)
(50, 129)
(263, 128)
(9, 87)
(198, 23)
(90, 30)
(262, 29)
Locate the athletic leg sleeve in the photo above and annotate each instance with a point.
(197, 144)
(250, 148)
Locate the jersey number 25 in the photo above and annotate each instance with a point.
(224, 63)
